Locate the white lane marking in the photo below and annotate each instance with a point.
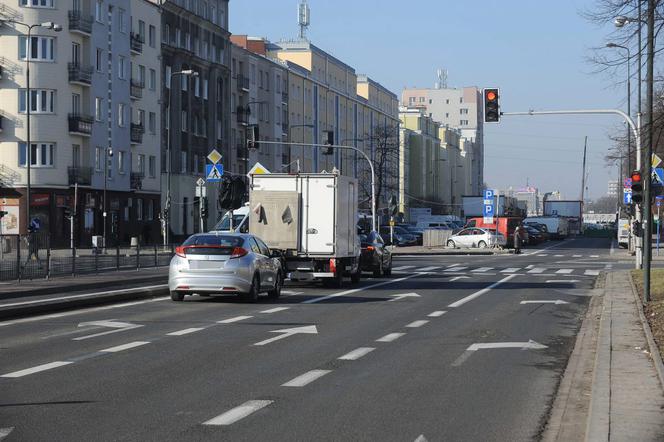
(548, 281)
(612, 250)
(469, 298)
(577, 256)
(186, 331)
(390, 337)
(403, 267)
(537, 270)
(530, 266)
(564, 271)
(64, 298)
(37, 369)
(530, 345)
(235, 319)
(306, 378)
(591, 272)
(307, 329)
(290, 293)
(456, 278)
(421, 438)
(124, 347)
(594, 256)
(436, 313)
(511, 270)
(559, 256)
(418, 323)
(427, 269)
(237, 413)
(557, 302)
(82, 338)
(455, 269)
(4, 432)
(356, 354)
(542, 250)
(275, 310)
(404, 295)
(349, 292)
(482, 269)
(453, 265)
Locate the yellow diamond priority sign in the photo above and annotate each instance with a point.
(214, 156)
(258, 169)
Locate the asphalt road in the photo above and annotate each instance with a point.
(448, 348)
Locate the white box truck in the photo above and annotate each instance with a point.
(312, 219)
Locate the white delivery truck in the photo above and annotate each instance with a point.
(311, 219)
(558, 227)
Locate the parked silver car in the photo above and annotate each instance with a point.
(224, 263)
(475, 237)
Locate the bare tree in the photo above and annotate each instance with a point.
(384, 143)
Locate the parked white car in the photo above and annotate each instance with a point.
(476, 237)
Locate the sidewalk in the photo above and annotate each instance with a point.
(611, 389)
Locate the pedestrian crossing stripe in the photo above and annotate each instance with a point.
(483, 269)
(537, 270)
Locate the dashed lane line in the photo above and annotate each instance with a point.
(124, 347)
(37, 369)
(436, 313)
(238, 413)
(235, 319)
(511, 270)
(537, 270)
(359, 289)
(357, 353)
(564, 271)
(390, 337)
(418, 323)
(592, 272)
(186, 331)
(482, 269)
(455, 269)
(475, 295)
(275, 310)
(306, 378)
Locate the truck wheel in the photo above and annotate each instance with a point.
(177, 296)
(388, 270)
(355, 277)
(276, 292)
(377, 273)
(252, 295)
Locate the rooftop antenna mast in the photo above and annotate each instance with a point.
(303, 18)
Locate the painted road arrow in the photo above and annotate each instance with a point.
(530, 345)
(117, 326)
(286, 332)
(456, 278)
(4, 432)
(404, 295)
(557, 302)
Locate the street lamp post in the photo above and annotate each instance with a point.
(28, 56)
(167, 209)
(629, 103)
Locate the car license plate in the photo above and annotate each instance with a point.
(206, 265)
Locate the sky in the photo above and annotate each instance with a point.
(534, 51)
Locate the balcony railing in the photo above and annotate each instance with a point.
(242, 83)
(79, 22)
(242, 115)
(284, 97)
(136, 89)
(137, 131)
(136, 43)
(80, 175)
(80, 124)
(284, 128)
(136, 180)
(80, 74)
(241, 152)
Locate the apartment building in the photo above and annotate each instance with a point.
(196, 109)
(82, 153)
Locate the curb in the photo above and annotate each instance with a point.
(94, 299)
(655, 356)
(446, 253)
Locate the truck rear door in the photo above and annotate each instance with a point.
(318, 228)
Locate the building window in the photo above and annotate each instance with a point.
(463, 122)
(167, 34)
(141, 117)
(197, 86)
(141, 30)
(99, 11)
(184, 82)
(150, 213)
(139, 209)
(38, 3)
(122, 21)
(463, 111)
(121, 162)
(421, 99)
(205, 88)
(152, 122)
(152, 166)
(122, 67)
(99, 60)
(167, 77)
(152, 36)
(40, 48)
(152, 83)
(183, 161)
(42, 101)
(99, 106)
(141, 164)
(121, 115)
(41, 154)
(184, 121)
(460, 99)
(447, 101)
(99, 158)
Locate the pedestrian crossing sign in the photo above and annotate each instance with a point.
(214, 172)
(657, 176)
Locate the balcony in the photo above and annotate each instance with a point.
(137, 131)
(241, 152)
(242, 83)
(136, 89)
(284, 98)
(242, 116)
(80, 23)
(81, 75)
(284, 128)
(80, 175)
(136, 180)
(136, 43)
(80, 124)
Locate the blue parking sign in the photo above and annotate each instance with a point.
(488, 194)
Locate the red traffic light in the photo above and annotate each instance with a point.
(491, 95)
(636, 177)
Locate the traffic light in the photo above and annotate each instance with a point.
(252, 137)
(637, 187)
(329, 141)
(491, 105)
(204, 209)
(67, 212)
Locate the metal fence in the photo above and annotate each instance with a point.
(31, 257)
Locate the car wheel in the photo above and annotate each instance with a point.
(388, 270)
(177, 296)
(377, 273)
(252, 295)
(451, 244)
(355, 277)
(276, 291)
(481, 245)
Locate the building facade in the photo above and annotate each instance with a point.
(613, 188)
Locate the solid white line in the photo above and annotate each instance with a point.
(436, 314)
(594, 256)
(537, 270)
(186, 331)
(564, 271)
(511, 270)
(567, 281)
(235, 319)
(275, 310)
(237, 413)
(124, 347)
(427, 269)
(469, 298)
(348, 292)
(84, 295)
(591, 272)
(577, 256)
(306, 378)
(482, 269)
(418, 323)
(390, 337)
(559, 256)
(357, 353)
(37, 369)
(455, 269)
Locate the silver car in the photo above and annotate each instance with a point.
(224, 263)
(475, 237)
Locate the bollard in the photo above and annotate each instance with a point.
(138, 256)
(156, 256)
(73, 261)
(48, 257)
(117, 257)
(96, 262)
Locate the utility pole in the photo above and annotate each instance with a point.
(583, 170)
(647, 202)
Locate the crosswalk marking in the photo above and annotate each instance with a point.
(577, 256)
(455, 269)
(483, 269)
(594, 256)
(537, 270)
(559, 256)
(591, 272)
(403, 268)
(543, 254)
(427, 269)
(511, 270)
(565, 271)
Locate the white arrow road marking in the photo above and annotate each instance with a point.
(403, 267)
(111, 323)
(530, 345)
(436, 314)
(557, 302)
(4, 432)
(37, 369)
(237, 413)
(286, 332)
(469, 298)
(548, 281)
(390, 337)
(124, 347)
(306, 378)
(356, 354)
(404, 295)
(235, 319)
(418, 323)
(456, 278)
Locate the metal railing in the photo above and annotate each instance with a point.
(137, 131)
(31, 257)
(136, 43)
(242, 83)
(136, 88)
(80, 74)
(80, 175)
(81, 124)
(80, 22)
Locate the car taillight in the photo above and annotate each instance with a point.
(179, 251)
(371, 248)
(238, 252)
(333, 265)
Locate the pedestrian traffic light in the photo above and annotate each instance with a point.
(637, 187)
(329, 141)
(491, 105)
(252, 137)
